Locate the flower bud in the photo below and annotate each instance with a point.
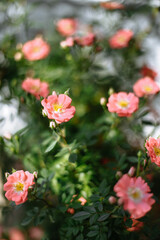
(7, 175)
(54, 93)
(111, 91)
(103, 101)
(112, 200)
(145, 162)
(120, 201)
(131, 171)
(17, 56)
(35, 174)
(119, 174)
(52, 125)
(19, 46)
(44, 113)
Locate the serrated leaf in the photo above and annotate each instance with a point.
(81, 216)
(103, 217)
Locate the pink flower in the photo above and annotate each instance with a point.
(36, 233)
(120, 39)
(153, 149)
(17, 186)
(123, 104)
(146, 71)
(112, 5)
(58, 107)
(69, 42)
(36, 87)
(16, 234)
(71, 210)
(135, 195)
(36, 49)
(67, 26)
(85, 40)
(82, 200)
(145, 86)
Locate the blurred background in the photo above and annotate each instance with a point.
(91, 72)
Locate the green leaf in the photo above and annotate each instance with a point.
(26, 221)
(95, 197)
(92, 233)
(90, 209)
(51, 146)
(100, 207)
(81, 216)
(80, 237)
(93, 219)
(73, 157)
(103, 217)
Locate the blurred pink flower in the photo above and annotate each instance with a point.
(69, 42)
(82, 200)
(112, 5)
(86, 40)
(124, 104)
(153, 149)
(135, 195)
(58, 107)
(36, 233)
(66, 26)
(145, 86)
(36, 87)
(17, 186)
(146, 71)
(71, 210)
(16, 234)
(136, 226)
(120, 39)
(36, 49)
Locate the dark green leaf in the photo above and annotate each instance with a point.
(92, 233)
(103, 217)
(93, 219)
(100, 207)
(81, 216)
(72, 157)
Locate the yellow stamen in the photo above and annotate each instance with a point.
(123, 103)
(147, 88)
(135, 194)
(157, 151)
(57, 108)
(36, 49)
(121, 39)
(19, 186)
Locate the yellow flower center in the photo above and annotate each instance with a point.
(157, 151)
(36, 49)
(19, 186)
(135, 194)
(123, 103)
(36, 88)
(121, 39)
(147, 89)
(57, 108)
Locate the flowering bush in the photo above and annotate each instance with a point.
(85, 163)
